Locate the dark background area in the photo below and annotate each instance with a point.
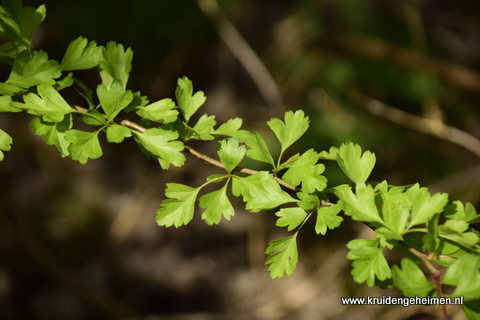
(81, 242)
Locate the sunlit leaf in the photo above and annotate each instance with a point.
(283, 256)
(178, 209)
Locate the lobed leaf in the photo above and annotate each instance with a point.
(360, 207)
(178, 209)
(295, 125)
(116, 64)
(5, 143)
(230, 153)
(162, 111)
(369, 262)
(28, 71)
(113, 99)
(424, 206)
(229, 128)
(411, 279)
(54, 133)
(305, 170)
(465, 275)
(356, 166)
(283, 256)
(290, 217)
(259, 150)
(84, 145)
(117, 133)
(216, 204)
(81, 54)
(187, 102)
(203, 129)
(327, 217)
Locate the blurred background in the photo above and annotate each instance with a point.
(400, 78)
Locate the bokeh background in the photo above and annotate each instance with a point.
(401, 78)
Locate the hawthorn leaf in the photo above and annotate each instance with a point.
(187, 102)
(356, 166)
(360, 207)
(6, 104)
(216, 204)
(424, 206)
(368, 261)
(84, 145)
(305, 170)
(117, 133)
(28, 71)
(395, 209)
(411, 280)
(230, 153)
(456, 232)
(283, 256)
(465, 275)
(259, 150)
(458, 211)
(327, 217)
(290, 217)
(81, 54)
(178, 209)
(9, 90)
(18, 22)
(116, 64)
(162, 144)
(260, 191)
(329, 155)
(308, 202)
(229, 128)
(54, 132)
(113, 98)
(48, 103)
(203, 129)
(5, 143)
(162, 111)
(94, 118)
(295, 125)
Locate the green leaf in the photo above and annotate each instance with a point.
(361, 206)
(5, 143)
(178, 209)
(260, 191)
(369, 262)
(113, 99)
(411, 279)
(162, 111)
(356, 166)
(29, 71)
(306, 171)
(424, 206)
(283, 256)
(465, 275)
(187, 102)
(330, 155)
(216, 204)
(395, 208)
(18, 22)
(296, 124)
(54, 133)
(455, 231)
(259, 150)
(203, 129)
(50, 104)
(308, 202)
(290, 217)
(6, 104)
(230, 153)
(229, 128)
(94, 118)
(458, 211)
(327, 217)
(161, 143)
(116, 64)
(116, 133)
(81, 54)
(84, 145)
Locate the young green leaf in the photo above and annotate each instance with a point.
(216, 204)
(283, 256)
(187, 102)
(260, 191)
(458, 211)
(456, 231)
(54, 133)
(465, 275)
(230, 153)
(229, 128)
(395, 209)
(369, 262)
(259, 150)
(327, 217)
(116, 64)
(6, 104)
(113, 99)
(94, 118)
(50, 104)
(162, 111)
(362, 206)
(5, 143)
(116, 133)
(330, 155)
(9, 90)
(290, 217)
(305, 170)
(84, 145)
(296, 124)
(29, 71)
(161, 143)
(356, 166)
(424, 206)
(203, 129)
(81, 54)
(178, 209)
(18, 23)
(411, 279)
